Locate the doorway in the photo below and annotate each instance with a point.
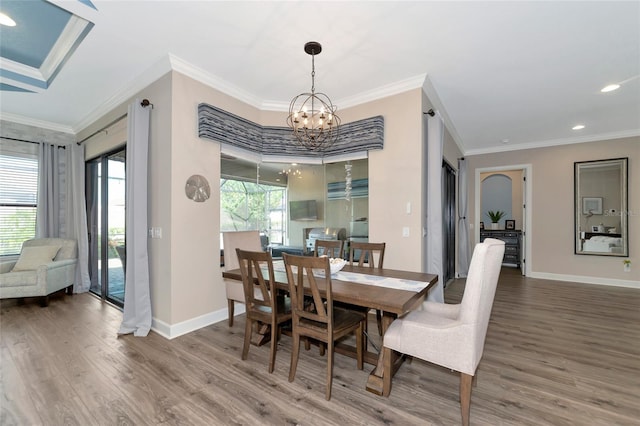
(105, 193)
(522, 207)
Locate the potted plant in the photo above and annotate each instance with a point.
(495, 217)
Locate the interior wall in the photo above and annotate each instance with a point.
(196, 278)
(395, 178)
(158, 197)
(552, 209)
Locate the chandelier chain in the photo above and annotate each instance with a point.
(313, 73)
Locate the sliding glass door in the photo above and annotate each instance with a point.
(106, 179)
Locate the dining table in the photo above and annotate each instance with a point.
(391, 291)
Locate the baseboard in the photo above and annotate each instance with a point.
(171, 331)
(585, 279)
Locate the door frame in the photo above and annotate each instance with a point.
(527, 237)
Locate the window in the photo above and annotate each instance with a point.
(252, 206)
(18, 196)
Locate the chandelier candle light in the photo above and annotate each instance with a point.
(312, 115)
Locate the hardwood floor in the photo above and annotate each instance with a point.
(556, 354)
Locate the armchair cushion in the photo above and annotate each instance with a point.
(32, 257)
(45, 266)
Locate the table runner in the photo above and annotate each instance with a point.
(375, 280)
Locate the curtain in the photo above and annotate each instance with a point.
(463, 222)
(435, 140)
(76, 214)
(50, 183)
(136, 317)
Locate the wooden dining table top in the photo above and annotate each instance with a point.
(392, 300)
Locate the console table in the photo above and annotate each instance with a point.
(512, 239)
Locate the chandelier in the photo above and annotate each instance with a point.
(292, 171)
(312, 115)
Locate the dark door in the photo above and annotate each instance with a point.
(449, 222)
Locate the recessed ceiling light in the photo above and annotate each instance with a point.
(504, 140)
(6, 20)
(610, 88)
(578, 127)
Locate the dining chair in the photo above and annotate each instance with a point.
(367, 255)
(246, 240)
(261, 301)
(330, 248)
(319, 320)
(451, 335)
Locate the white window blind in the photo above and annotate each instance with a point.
(18, 198)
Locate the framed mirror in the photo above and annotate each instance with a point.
(601, 191)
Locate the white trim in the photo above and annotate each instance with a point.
(72, 33)
(382, 91)
(171, 331)
(20, 119)
(528, 173)
(556, 142)
(429, 89)
(586, 280)
(206, 78)
(151, 75)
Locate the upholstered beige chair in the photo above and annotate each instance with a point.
(45, 266)
(245, 240)
(451, 335)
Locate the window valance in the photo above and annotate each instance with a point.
(227, 128)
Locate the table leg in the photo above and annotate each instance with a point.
(375, 382)
(262, 335)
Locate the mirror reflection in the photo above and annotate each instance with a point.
(292, 204)
(601, 207)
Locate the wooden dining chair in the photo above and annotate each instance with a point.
(330, 248)
(371, 255)
(451, 335)
(321, 320)
(261, 300)
(246, 240)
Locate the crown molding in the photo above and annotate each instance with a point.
(214, 82)
(27, 121)
(149, 76)
(556, 142)
(383, 91)
(430, 91)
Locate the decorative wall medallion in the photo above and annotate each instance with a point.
(197, 189)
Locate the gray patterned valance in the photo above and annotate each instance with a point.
(224, 127)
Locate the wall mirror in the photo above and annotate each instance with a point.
(257, 195)
(601, 207)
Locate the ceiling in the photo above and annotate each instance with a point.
(504, 75)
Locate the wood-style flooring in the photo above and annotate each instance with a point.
(556, 354)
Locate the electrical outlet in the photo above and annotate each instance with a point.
(405, 231)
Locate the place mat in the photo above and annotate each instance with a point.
(376, 280)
